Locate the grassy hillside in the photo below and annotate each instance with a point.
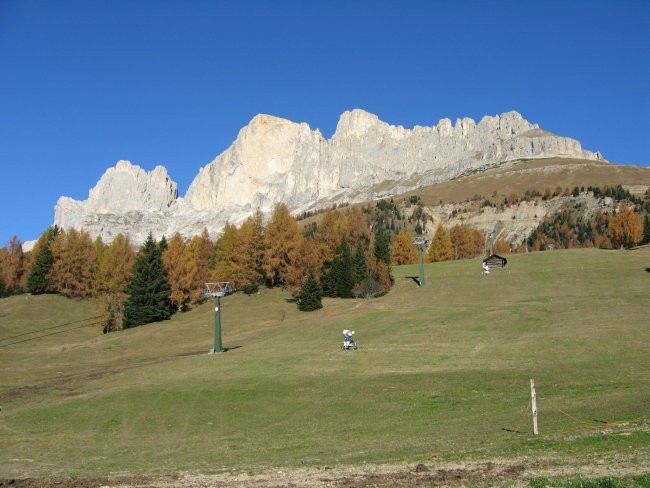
(442, 373)
(538, 175)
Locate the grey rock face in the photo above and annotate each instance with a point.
(275, 160)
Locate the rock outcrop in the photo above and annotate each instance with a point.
(275, 160)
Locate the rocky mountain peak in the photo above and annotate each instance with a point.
(138, 190)
(276, 160)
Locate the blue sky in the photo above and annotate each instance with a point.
(84, 84)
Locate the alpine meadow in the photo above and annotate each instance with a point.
(440, 380)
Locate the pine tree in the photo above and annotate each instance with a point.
(382, 242)
(359, 264)
(338, 277)
(328, 280)
(646, 229)
(382, 246)
(147, 288)
(37, 283)
(311, 293)
(345, 278)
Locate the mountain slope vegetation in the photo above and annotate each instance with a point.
(442, 374)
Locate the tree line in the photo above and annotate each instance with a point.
(166, 276)
(345, 253)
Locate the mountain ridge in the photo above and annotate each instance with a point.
(275, 160)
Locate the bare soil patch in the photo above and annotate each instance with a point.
(518, 472)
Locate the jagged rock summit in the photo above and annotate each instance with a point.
(275, 160)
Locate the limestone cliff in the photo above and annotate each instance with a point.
(275, 160)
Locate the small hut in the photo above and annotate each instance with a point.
(495, 261)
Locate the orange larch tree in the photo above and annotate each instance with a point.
(283, 239)
(358, 227)
(13, 266)
(626, 228)
(441, 248)
(227, 267)
(201, 250)
(404, 251)
(181, 272)
(74, 267)
(114, 265)
(332, 226)
(252, 244)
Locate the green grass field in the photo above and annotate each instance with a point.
(442, 373)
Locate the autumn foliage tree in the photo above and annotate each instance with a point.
(226, 266)
(13, 264)
(252, 245)
(626, 229)
(114, 266)
(74, 264)
(441, 248)
(181, 272)
(404, 251)
(201, 250)
(283, 238)
(330, 227)
(501, 247)
(466, 241)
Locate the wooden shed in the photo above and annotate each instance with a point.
(495, 261)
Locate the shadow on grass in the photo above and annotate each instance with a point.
(415, 278)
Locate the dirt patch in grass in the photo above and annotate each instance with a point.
(517, 473)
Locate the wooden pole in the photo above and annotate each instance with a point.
(533, 397)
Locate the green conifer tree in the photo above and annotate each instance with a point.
(147, 289)
(328, 280)
(359, 264)
(37, 282)
(382, 242)
(311, 293)
(345, 277)
(337, 278)
(646, 229)
(382, 245)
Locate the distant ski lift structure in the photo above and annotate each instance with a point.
(217, 290)
(420, 242)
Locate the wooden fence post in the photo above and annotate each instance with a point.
(533, 397)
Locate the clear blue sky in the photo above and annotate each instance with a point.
(84, 84)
